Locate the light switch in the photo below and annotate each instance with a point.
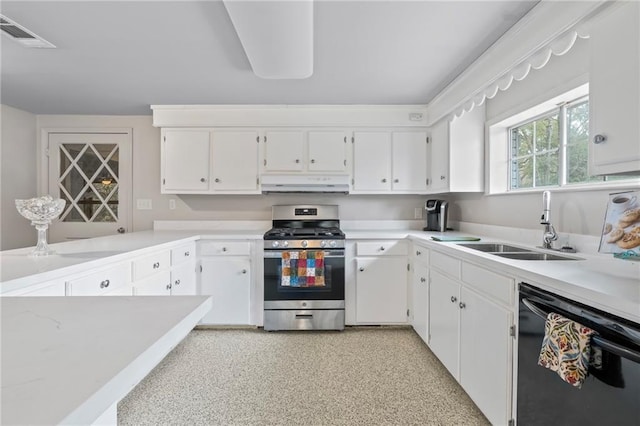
(172, 204)
(144, 204)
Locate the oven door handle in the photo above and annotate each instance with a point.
(608, 345)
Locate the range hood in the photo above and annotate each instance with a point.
(305, 183)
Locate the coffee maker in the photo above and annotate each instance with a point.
(437, 213)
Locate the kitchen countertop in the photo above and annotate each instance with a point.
(57, 369)
(599, 280)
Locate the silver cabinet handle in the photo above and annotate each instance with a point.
(361, 269)
(168, 286)
(598, 139)
(104, 284)
(454, 299)
(216, 180)
(462, 305)
(381, 248)
(224, 249)
(120, 230)
(203, 180)
(396, 180)
(423, 280)
(187, 254)
(177, 282)
(156, 265)
(442, 178)
(418, 252)
(384, 180)
(297, 160)
(244, 271)
(313, 161)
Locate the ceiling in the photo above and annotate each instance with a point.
(120, 57)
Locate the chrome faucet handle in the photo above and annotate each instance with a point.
(549, 235)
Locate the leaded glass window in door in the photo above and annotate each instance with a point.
(89, 181)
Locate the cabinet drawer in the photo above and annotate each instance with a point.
(225, 248)
(183, 253)
(149, 265)
(382, 248)
(99, 283)
(157, 285)
(447, 264)
(52, 288)
(489, 283)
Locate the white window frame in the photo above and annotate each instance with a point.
(498, 165)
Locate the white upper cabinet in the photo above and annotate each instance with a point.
(185, 161)
(235, 161)
(284, 151)
(614, 91)
(371, 165)
(390, 162)
(305, 151)
(327, 151)
(409, 161)
(208, 161)
(457, 153)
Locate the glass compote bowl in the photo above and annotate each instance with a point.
(41, 211)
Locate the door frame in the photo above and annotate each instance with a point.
(42, 163)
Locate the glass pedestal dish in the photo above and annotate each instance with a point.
(41, 211)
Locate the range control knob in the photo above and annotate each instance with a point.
(285, 244)
(323, 243)
(333, 244)
(275, 244)
(304, 243)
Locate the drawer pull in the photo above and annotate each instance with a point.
(177, 282)
(454, 299)
(156, 265)
(361, 269)
(244, 271)
(169, 286)
(224, 249)
(381, 248)
(418, 253)
(104, 284)
(187, 254)
(462, 305)
(423, 280)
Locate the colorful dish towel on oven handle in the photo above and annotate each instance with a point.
(303, 268)
(566, 348)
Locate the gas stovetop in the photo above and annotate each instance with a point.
(304, 234)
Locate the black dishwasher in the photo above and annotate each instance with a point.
(609, 396)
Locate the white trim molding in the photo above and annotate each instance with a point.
(550, 28)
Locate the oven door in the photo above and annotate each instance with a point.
(276, 289)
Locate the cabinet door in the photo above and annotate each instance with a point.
(614, 90)
(235, 161)
(444, 320)
(156, 285)
(420, 300)
(185, 161)
(439, 157)
(183, 279)
(284, 151)
(409, 161)
(381, 290)
(371, 161)
(485, 347)
(228, 280)
(327, 152)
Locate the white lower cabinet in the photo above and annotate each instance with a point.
(183, 279)
(485, 348)
(420, 292)
(100, 282)
(444, 320)
(51, 288)
(470, 333)
(228, 280)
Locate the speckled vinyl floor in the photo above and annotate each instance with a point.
(362, 376)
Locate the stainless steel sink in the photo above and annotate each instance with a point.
(534, 255)
(495, 248)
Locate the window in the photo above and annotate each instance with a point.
(552, 149)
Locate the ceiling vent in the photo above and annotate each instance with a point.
(22, 35)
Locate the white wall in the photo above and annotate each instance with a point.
(146, 184)
(17, 175)
(580, 212)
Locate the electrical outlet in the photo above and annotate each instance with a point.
(144, 204)
(172, 204)
(417, 213)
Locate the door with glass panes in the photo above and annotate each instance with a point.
(92, 173)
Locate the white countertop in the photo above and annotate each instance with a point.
(598, 280)
(57, 369)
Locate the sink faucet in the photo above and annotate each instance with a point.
(549, 235)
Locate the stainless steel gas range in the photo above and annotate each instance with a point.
(304, 269)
